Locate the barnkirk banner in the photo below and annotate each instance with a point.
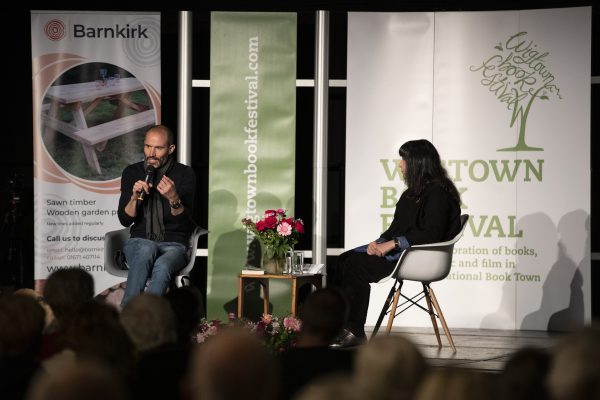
(252, 146)
(505, 98)
(96, 89)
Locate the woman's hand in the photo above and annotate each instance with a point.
(380, 249)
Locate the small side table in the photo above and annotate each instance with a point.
(297, 282)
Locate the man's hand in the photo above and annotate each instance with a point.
(131, 206)
(138, 187)
(166, 187)
(380, 249)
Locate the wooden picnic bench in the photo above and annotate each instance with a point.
(93, 138)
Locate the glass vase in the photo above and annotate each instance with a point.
(272, 262)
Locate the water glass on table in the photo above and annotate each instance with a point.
(289, 262)
(297, 262)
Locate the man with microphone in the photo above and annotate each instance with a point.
(157, 198)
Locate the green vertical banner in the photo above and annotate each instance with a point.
(252, 144)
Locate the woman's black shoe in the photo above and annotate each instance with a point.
(347, 339)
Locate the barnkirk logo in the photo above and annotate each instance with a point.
(517, 76)
(54, 29)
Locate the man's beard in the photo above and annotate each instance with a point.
(158, 162)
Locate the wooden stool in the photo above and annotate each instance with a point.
(297, 282)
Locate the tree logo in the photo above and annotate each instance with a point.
(517, 75)
(55, 29)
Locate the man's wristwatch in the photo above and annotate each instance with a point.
(396, 243)
(176, 204)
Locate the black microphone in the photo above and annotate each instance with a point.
(148, 179)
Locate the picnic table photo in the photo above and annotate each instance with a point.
(66, 109)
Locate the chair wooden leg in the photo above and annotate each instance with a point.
(393, 311)
(442, 319)
(385, 308)
(432, 315)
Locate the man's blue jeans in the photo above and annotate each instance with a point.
(158, 261)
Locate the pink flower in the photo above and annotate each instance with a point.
(284, 229)
(212, 330)
(281, 211)
(267, 318)
(292, 323)
(269, 213)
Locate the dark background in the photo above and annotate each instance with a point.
(16, 147)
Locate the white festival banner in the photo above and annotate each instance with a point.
(505, 98)
(96, 89)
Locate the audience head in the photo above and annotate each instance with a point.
(575, 371)
(233, 365)
(389, 367)
(338, 387)
(66, 290)
(524, 375)
(21, 325)
(188, 305)
(451, 383)
(324, 314)
(96, 334)
(49, 315)
(149, 321)
(79, 381)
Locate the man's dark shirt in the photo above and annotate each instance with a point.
(177, 227)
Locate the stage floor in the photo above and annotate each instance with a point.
(481, 349)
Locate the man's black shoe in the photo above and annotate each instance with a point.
(347, 339)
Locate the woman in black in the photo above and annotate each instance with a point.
(428, 212)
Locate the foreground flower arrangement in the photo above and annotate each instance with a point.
(278, 334)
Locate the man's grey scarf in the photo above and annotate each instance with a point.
(153, 207)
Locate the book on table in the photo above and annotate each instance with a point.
(249, 270)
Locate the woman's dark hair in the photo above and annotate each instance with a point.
(423, 166)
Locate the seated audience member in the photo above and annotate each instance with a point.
(79, 381)
(149, 322)
(21, 324)
(388, 367)
(331, 387)
(574, 373)
(162, 362)
(49, 315)
(65, 292)
(323, 316)
(524, 375)
(95, 334)
(451, 383)
(188, 306)
(233, 365)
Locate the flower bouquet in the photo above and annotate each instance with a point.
(277, 234)
(277, 335)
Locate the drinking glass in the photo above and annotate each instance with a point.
(289, 262)
(298, 262)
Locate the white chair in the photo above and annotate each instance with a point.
(114, 258)
(424, 263)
